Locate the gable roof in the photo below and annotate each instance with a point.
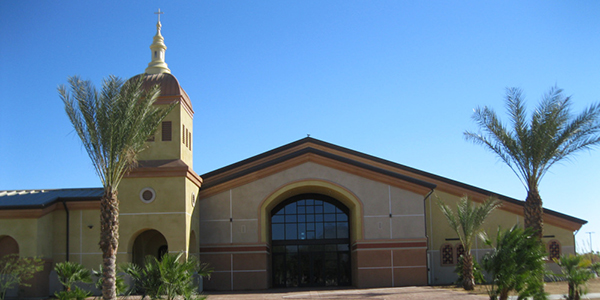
(253, 166)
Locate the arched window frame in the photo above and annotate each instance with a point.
(315, 196)
(554, 249)
(447, 255)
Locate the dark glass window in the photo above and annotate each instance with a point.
(310, 242)
(166, 130)
(315, 219)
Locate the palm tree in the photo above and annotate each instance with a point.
(467, 222)
(531, 147)
(113, 125)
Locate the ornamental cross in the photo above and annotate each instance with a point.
(159, 13)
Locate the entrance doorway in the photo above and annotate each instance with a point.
(149, 243)
(310, 242)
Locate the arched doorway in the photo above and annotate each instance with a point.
(310, 241)
(150, 242)
(8, 245)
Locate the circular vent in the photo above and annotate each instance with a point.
(147, 195)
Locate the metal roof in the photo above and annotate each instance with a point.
(43, 198)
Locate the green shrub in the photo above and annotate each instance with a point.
(168, 276)
(70, 273)
(517, 264)
(121, 286)
(14, 271)
(576, 271)
(76, 293)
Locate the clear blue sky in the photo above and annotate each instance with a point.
(394, 79)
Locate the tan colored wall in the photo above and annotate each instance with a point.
(376, 202)
(439, 231)
(174, 149)
(33, 235)
(242, 205)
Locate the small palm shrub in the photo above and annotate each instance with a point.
(516, 264)
(146, 280)
(70, 273)
(121, 286)
(168, 276)
(576, 271)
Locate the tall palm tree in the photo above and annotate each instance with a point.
(113, 125)
(531, 147)
(467, 222)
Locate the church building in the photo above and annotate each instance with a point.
(306, 214)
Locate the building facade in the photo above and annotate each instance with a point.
(308, 213)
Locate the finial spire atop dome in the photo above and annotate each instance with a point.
(158, 65)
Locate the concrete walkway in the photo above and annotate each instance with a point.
(408, 293)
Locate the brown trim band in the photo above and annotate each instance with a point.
(390, 244)
(234, 248)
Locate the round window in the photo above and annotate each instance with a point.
(147, 195)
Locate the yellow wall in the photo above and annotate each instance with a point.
(438, 229)
(174, 149)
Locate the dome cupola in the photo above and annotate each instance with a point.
(158, 65)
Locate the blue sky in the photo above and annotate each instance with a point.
(394, 79)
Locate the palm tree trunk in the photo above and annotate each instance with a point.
(109, 241)
(534, 212)
(534, 218)
(468, 279)
(504, 294)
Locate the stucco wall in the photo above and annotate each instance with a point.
(385, 213)
(440, 233)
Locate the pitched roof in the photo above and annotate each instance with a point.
(30, 199)
(354, 158)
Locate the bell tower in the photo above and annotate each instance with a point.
(158, 212)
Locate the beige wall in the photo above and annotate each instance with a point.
(385, 213)
(378, 200)
(174, 149)
(439, 231)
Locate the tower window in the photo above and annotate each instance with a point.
(166, 131)
(183, 134)
(187, 140)
(155, 54)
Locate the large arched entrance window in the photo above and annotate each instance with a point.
(310, 242)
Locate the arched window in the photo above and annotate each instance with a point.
(310, 242)
(8, 245)
(554, 250)
(447, 252)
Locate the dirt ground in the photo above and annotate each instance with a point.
(552, 288)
